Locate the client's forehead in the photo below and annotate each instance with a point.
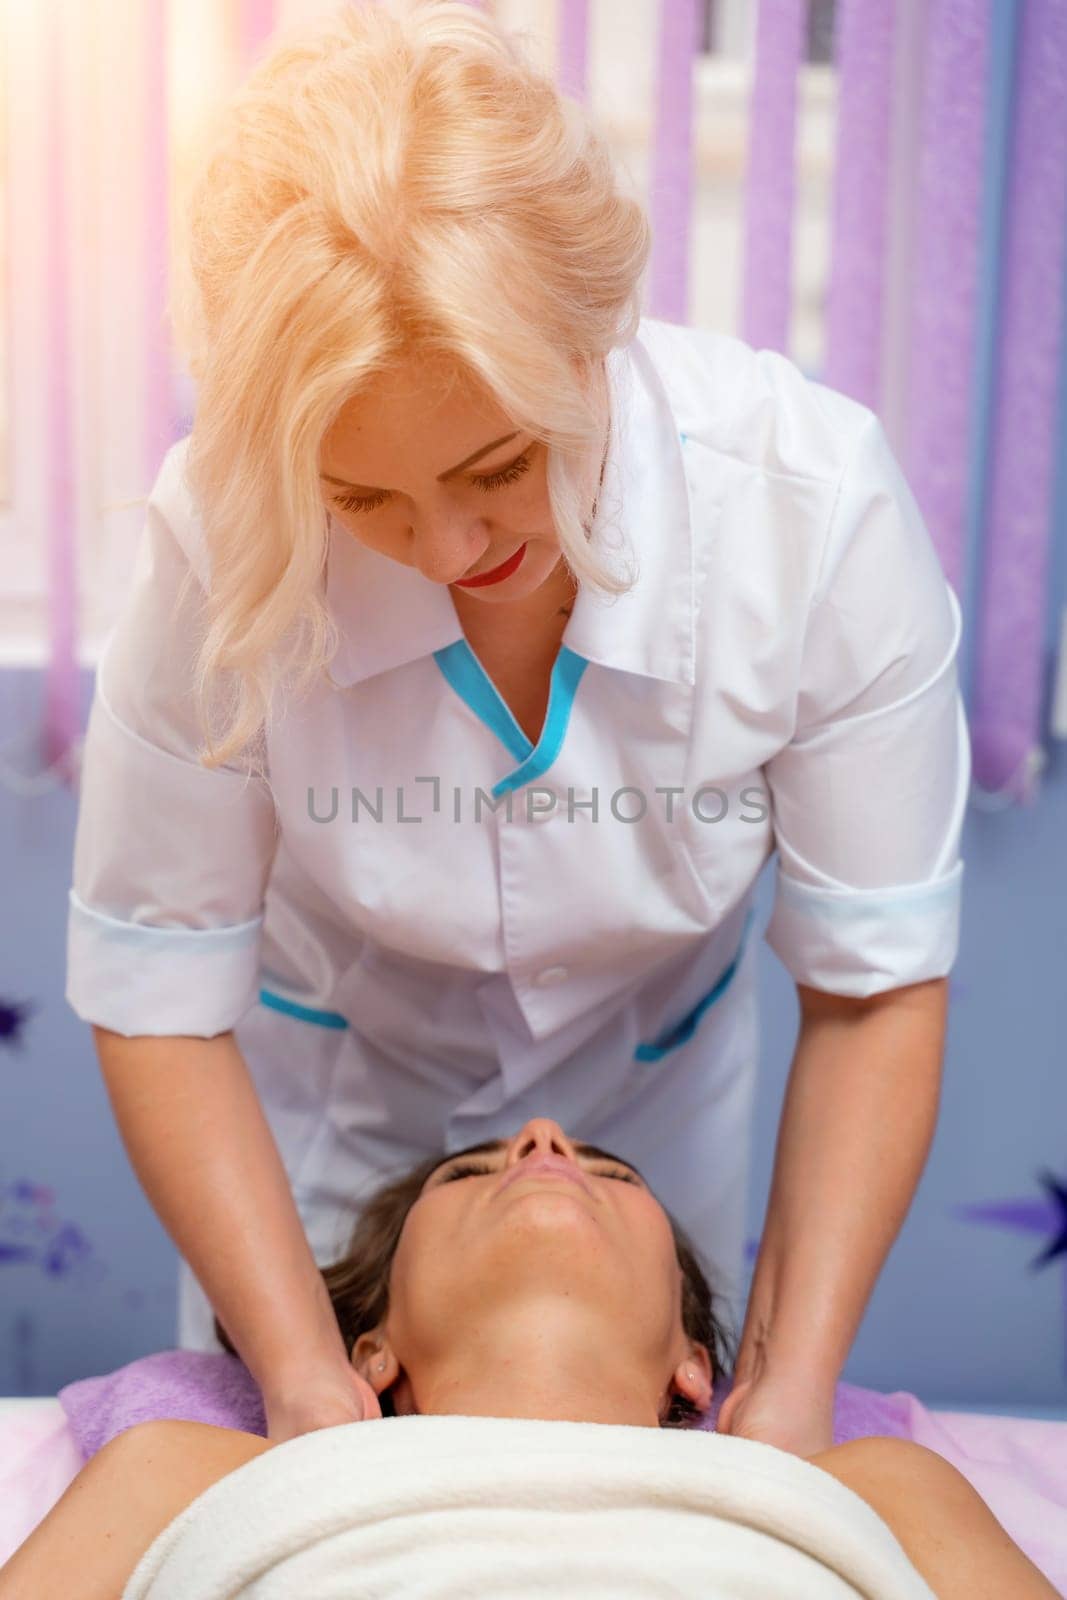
(494, 1146)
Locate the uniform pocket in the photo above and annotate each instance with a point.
(680, 1032)
(293, 1008)
(292, 1067)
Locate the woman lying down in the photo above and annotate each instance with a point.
(536, 1337)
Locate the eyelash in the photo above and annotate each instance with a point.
(492, 480)
(466, 1169)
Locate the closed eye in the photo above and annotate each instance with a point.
(467, 1169)
(485, 481)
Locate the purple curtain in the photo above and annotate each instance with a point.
(256, 21)
(1006, 725)
(573, 48)
(671, 198)
(855, 299)
(770, 183)
(938, 416)
(61, 722)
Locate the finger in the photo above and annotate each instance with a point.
(372, 1405)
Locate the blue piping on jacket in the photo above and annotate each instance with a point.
(325, 1019)
(684, 1030)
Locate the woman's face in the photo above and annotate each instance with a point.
(540, 1243)
(419, 485)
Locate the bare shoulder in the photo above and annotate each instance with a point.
(203, 1444)
(893, 1474)
(947, 1530)
(880, 1455)
(125, 1495)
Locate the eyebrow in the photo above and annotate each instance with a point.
(493, 1146)
(441, 476)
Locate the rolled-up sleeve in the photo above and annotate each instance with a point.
(868, 797)
(171, 858)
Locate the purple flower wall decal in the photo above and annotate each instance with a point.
(13, 1017)
(1028, 1215)
(32, 1234)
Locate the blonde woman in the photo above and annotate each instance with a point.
(543, 1329)
(485, 640)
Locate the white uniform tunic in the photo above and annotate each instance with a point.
(424, 930)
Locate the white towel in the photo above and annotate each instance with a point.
(500, 1508)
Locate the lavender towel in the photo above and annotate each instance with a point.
(204, 1386)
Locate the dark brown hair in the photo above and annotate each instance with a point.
(358, 1284)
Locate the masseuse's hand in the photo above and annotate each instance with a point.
(785, 1412)
(322, 1397)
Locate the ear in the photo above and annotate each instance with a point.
(375, 1360)
(692, 1376)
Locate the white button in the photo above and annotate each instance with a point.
(551, 975)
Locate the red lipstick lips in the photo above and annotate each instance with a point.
(495, 574)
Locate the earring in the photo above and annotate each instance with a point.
(381, 1366)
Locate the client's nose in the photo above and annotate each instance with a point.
(540, 1136)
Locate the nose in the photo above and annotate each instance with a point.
(447, 545)
(540, 1136)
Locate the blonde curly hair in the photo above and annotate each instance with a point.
(391, 180)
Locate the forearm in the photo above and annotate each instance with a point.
(859, 1116)
(196, 1136)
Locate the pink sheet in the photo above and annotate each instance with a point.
(1018, 1466)
(38, 1459)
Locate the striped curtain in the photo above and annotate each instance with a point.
(943, 306)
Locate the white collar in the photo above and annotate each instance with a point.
(388, 614)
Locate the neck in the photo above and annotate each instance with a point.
(542, 614)
(561, 1371)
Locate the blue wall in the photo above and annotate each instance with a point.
(87, 1277)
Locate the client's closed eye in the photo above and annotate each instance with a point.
(466, 1169)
